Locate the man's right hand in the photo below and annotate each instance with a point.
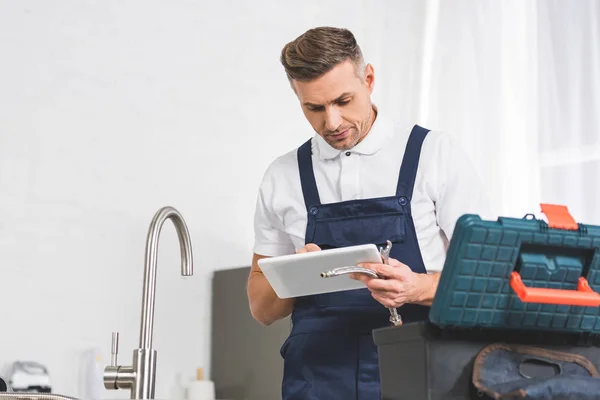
(309, 248)
(265, 306)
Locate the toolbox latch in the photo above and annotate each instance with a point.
(559, 217)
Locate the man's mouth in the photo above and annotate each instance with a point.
(340, 135)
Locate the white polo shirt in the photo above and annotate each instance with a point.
(446, 187)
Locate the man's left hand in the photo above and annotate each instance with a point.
(399, 285)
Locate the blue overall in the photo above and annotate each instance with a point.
(330, 353)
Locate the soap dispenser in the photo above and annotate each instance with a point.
(201, 389)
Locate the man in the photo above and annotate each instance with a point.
(361, 179)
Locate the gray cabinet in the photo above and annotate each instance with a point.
(245, 359)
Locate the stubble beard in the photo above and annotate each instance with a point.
(348, 143)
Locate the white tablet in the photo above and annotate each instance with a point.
(296, 275)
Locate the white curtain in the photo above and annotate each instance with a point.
(569, 101)
(517, 81)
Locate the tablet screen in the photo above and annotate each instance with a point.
(296, 275)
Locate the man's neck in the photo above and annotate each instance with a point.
(372, 118)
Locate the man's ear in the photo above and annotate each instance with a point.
(370, 77)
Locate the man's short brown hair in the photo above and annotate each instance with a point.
(318, 51)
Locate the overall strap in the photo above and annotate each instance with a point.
(307, 175)
(410, 162)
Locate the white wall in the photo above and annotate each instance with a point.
(110, 110)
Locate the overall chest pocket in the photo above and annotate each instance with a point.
(344, 231)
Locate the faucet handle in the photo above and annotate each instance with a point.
(114, 349)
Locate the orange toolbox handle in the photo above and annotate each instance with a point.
(583, 296)
(558, 218)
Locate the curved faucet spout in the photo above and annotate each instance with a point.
(187, 268)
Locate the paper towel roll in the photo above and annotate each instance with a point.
(201, 390)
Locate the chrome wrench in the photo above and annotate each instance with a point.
(395, 318)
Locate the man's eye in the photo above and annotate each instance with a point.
(316, 108)
(343, 102)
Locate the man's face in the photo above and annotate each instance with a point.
(338, 104)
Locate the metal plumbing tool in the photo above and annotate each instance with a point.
(395, 318)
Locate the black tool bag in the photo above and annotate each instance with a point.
(516, 316)
(420, 361)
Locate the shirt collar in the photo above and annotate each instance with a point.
(371, 144)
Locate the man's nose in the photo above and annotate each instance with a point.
(333, 119)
